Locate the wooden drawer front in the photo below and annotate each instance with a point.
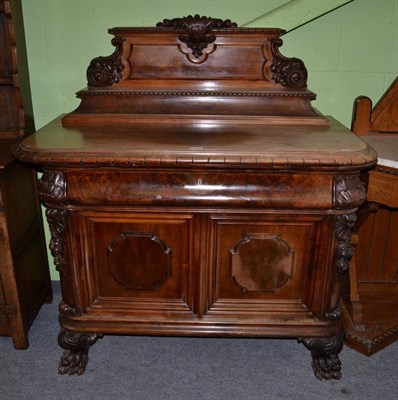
(196, 188)
(137, 262)
(266, 264)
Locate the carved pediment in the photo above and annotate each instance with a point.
(198, 34)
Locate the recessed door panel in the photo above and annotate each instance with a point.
(263, 262)
(138, 261)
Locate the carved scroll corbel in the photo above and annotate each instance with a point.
(289, 72)
(344, 226)
(105, 71)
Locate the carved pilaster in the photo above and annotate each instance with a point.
(198, 33)
(324, 352)
(105, 71)
(289, 72)
(76, 345)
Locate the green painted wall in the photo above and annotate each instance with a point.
(349, 52)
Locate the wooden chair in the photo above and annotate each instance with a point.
(370, 298)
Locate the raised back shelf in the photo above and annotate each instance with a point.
(200, 69)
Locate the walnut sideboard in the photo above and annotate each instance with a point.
(192, 194)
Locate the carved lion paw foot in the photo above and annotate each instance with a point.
(327, 367)
(73, 362)
(76, 345)
(324, 352)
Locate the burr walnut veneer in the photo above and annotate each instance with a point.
(195, 191)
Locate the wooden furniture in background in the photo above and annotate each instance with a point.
(195, 191)
(24, 276)
(371, 297)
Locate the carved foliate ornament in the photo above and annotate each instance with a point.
(52, 187)
(57, 223)
(52, 190)
(350, 192)
(198, 37)
(344, 226)
(289, 72)
(105, 71)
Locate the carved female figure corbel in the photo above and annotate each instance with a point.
(52, 192)
(349, 194)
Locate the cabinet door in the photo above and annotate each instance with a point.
(133, 263)
(260, 265)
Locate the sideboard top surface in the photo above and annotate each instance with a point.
(196, 92)
(198, 144)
